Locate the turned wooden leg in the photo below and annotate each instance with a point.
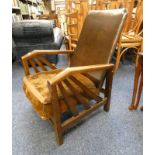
(139, 92)
(117, 59)
(136, 79)
(108, 87)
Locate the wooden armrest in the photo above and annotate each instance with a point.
(35, 57)
(82, 69)
(42, 52)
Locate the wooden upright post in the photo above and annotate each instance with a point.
(129, 5)
(69, 5)
(83, 7)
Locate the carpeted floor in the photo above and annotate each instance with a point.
(118, 132)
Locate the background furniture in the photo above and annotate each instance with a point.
(138, 83)
(76, 89)
(131, 36)
(51, 16)
(72, 29)
(30, 35)
(27, 9)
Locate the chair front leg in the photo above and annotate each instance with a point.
(118, 56)
(56, 113)
(108, 87)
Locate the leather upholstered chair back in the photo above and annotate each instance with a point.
(98, 37)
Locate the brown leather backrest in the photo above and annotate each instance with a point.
(98, 37)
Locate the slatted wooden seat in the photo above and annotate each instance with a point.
(78, 88)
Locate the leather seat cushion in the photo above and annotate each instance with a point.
(37, 84)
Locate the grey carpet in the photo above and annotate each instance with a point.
(118, 132)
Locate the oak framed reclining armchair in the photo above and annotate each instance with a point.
(77, 89)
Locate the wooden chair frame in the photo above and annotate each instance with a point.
(69, 73)
(53, 93)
